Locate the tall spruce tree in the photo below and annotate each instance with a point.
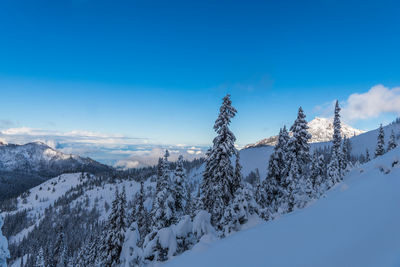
(367, 156)
(179, 189)
(272, 185)
(297, 187)
(345, 153)
(114, 235)
(164, 211)
(40, 258)
(218, 176)
(141, 216)
(392, 141)
(380, 145)
(237, 178)
(58, 246)
(318, 175)
(4, 252)
(190, 205)
(335, 166)
(337, 136)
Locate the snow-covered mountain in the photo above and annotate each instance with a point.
(38, 156)
(24, 166)
(321, 130)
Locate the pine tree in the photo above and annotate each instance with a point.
(159, 173)
(367, 156)
(115, 232)
(141, 216)
(392, 141)
(58, 246)
(336, 164)
(40, 258)
(276, 170)
(217, 186)
(345, 153)
(63, 258)
(179, 188)
(318, 175)
(163, 173)
(239, 210)
(4, 252)
(380, 146)
(337, 137)
(163, 211)
(93, 251)
(190, 206)
(237, 178)
(296, 185)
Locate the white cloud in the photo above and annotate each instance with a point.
(150, 156)
(25, 134)
(378, 100)
(361, 106)
(127, 164)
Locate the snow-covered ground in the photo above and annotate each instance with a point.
(41, 197)
(356, 224)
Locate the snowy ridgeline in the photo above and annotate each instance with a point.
(89, 220)
(356, 224)
(100, 196)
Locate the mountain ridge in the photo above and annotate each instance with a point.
(27, 165)
(321, 130)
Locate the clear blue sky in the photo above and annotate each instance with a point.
(158, 69)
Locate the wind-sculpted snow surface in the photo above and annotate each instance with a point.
(356, 224)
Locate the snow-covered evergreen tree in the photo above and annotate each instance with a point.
(190, 205)
(337, 136)
(335, 166)
(380, 145)
(114, 235)
(4, 253)
(63, 258)
(272, 185)
(297, 187)
(392, 141)
(58, 247)
(217, 186)
(318, 175)
(346, 153)
(93, 256)
(179, 189)
(163, 211)
(237, 177)
(239, 210)
(141, 215)
(367, 156)
(40, 258)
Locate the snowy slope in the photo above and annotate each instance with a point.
(47, 193)
(41, 197)
(356, 224)
(257, 157)
(321, 130)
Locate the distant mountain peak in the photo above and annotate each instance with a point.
(321, 130)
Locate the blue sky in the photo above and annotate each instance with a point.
(157, 70)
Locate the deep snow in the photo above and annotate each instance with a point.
(356, 224)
